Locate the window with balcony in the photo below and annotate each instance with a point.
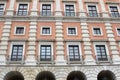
(22, 10)
(72, 31)
(74, 54)
(46, 10)
(92, 11)
(1, 9)
(114, 11)
(97, 31)
(46, 31)
(45, 53)
(69, 10)
(19, 31)
(17, 53)
(101, 53)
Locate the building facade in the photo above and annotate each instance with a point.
(59, 39)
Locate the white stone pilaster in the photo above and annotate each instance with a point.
(30, 59)
(59, 44)
(58, 11)
(87, 45)
(104, 12)
(112, 44)
(10, 10)
(34, 10)
(4, 42)
(81, 9)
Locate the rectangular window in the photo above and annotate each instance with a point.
(1, 9)
(69, 10)
(92, 11)
(74, 54)
(71, 31)
(22, 9)
(19, 30)
(45, 30)
(118, 31)
(101, 53)
(17, 52)
(45, 53)
(46, 10)
(114, 11)
(97, 31)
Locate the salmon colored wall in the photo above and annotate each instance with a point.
(1, 28)
(14, 24)
(72, 24)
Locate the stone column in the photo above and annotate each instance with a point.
(4, 42)
(87, 45)
(58, 11)
(34, 10)
(59, 44)
(112, 43)
(104, 12)
(10, 10)
(82, 12)
(30, 60)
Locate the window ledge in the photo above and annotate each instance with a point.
(91, 1)
(3, 0)
(69, 1)
(46, 0)
(23, 0)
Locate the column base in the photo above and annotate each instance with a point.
(58, 13)
(105, 14)
(30, 60)
(2, 60)
(10, 12)
(60, 60)
(82, 14)
(34, 13)
(116, 59)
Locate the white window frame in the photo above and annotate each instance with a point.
(16, 29)
(22, 3)
(101, 43)
(70, 4)
(51, 3)
(46, 27)
(72, 34)
(117, 31)
(46, 43)
(74, 43)
(115, 6)
(97, 34)
(4, 6)
(16, 43)
(92, 4)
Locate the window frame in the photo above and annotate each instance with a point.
(75, 31)
(16, 29)
(97, 34)
(117, 31)
(106, 47)
(11, 49)
(4, 7)
(46, 27)
(46, 43)
(18, 8)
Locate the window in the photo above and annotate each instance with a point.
(97, 31)
(1, 9)
(45, 53)
(69, 10)
(72, 31)
(92, 11)
(22, 9)
(118, 31)
(46, 31)
(17, 52)
(74, 54)
(19, 30)
(101, 53)
(46, 10)
(114, 11)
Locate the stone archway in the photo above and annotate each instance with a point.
(14, 75)
(106, 75)
(45, 75)
(76, 75)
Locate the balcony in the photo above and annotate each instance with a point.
(45, 59)
(46, 14)
(75, 60)
(115, 15)
(21, 13)
(94, 14)
(70, 14)
(13, 60)
(2, 13)
(104, 59)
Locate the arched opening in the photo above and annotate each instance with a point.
(106, 75)
(45, 75)
(14, 75)
(76, 75)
